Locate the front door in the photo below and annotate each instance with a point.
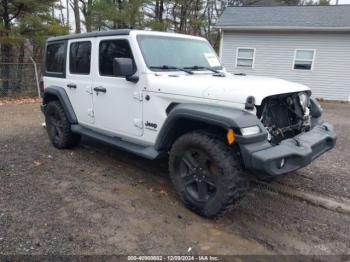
(79, 79)
(117, 102)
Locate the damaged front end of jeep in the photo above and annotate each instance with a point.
(288, 115)
(295, 135)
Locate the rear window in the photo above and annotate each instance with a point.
(55, 58)
(79, 58)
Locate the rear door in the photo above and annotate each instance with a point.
(79, 79)
(118, 109)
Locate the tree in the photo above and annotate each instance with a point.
(21, 21)
(159, 10)
(86, 9)
(324, 2)
(9, 11)
(67, 12)
(75, 6)
(156, 14)
(112, 14)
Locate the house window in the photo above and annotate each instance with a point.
(245, 57)
(304, 59)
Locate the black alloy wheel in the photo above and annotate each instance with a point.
(206, 173)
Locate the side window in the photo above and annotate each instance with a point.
(109, 50)
(245, 57)
(304, 59)
(79, 58)
(55, 58)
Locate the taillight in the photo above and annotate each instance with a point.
(41, 87)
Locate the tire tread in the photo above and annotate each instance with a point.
(235, 180)
(69, 139)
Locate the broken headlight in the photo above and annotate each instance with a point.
(304, 101)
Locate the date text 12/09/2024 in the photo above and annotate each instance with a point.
(173, 258)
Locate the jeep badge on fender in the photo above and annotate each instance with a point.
(152, 126)
(216, 127)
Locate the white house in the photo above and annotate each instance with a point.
(306, 44)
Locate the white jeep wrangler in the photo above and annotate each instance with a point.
(157, 94)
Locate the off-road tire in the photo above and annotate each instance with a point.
(59, 128)
(232, 182)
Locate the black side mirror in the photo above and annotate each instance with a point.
(125, 67)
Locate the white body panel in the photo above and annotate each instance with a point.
(118, 110)
(81, 96)
(232, 88)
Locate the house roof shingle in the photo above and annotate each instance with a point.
(292, 17)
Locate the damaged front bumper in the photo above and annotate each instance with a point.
(266, 160)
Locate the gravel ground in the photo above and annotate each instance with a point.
(98, 200)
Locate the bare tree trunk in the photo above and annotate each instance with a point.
(5, 50)
(159, 10)
(88, 18)
(120, 7)
(5, 68)
(67, 14)
(183, 17)
(76, 10)
(20, 78)
(61, 14)
(115, 19)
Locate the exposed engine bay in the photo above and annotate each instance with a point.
(285, 115)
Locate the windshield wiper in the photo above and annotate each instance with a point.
(167, 67)
(196, 67)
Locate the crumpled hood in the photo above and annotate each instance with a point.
(232, 88)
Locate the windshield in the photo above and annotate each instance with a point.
(174, 53)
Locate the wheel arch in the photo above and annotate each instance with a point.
(52, 93)
(183, 125)
(185, 118)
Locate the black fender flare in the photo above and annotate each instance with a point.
(62, 96)
(223, 117)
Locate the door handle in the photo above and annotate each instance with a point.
(72, 86)
(100, 89)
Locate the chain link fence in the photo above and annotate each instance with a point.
(19, 79)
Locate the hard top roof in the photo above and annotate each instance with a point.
(90, 34)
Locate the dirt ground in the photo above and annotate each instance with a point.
(98, 200)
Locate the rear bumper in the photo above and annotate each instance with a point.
(297, 152)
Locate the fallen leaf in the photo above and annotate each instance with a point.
(38, 163)
(216, 226)
(163, 193)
